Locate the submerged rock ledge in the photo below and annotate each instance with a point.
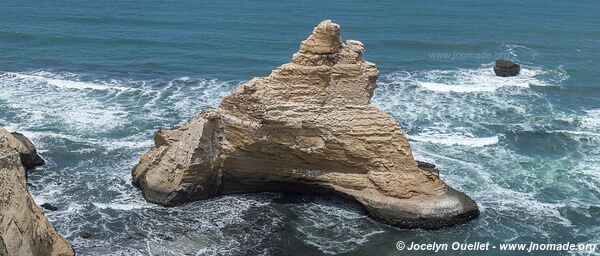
(307, 128)
(24, 230)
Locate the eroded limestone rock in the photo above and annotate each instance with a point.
(24, 230)
(307, 128)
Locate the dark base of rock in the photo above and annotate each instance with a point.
(433, 212)
(437, 218)
(506, 68)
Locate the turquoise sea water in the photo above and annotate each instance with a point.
(90, 82)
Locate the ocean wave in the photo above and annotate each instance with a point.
(511, 202)
(123, 206)
(81, 104)
(333, 226)
(514, 49)
(42, 138)
(591, 120)
(575, 133)
(61, 81)
(454, 139)
(477, 80)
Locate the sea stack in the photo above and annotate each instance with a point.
(307, 128)
(506, 68)
(24, 230)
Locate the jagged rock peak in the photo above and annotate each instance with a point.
(325, 39)
(324, 47)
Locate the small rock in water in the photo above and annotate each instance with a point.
(165, 237)
(505, 68)
(86, 234)
(50, 207)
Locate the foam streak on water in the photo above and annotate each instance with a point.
(454, 139)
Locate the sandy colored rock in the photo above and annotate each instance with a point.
(24, 230)
(307, 128)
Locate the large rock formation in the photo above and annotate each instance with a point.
(307, 128)
(24, 230)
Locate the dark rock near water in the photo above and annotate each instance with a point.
(166, 237)
(505, 68)
(49, 207)
(425, 165)
(27, 152)
(86, 234)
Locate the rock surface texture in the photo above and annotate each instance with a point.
(307, 128)
(506, 68)
(24, 230)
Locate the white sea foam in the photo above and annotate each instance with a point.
(481, 79)
(75, 104)
(576, 133)
(516, 50)
(478, 80)
(211, 226)
(455, 139)
(505, 200)
(122, 206)
(333, 226)
(592, 119)
(61, 82)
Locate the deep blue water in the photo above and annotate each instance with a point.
(91, 81)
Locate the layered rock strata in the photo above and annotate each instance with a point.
(307, 128)
(24, 230)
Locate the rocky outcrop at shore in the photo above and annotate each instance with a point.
(307, 128)
(505, 68)
(24, 230)
(27, 152)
